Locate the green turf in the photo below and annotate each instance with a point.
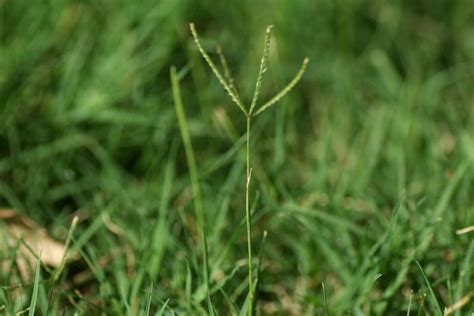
(361, 175)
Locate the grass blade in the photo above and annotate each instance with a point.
(183, 126)
(432, 296)
(148, 304)
(66, 247)
(163, 308)
(409, 304)
(34, 295)
(325, 299)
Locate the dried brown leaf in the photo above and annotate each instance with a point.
(17, 230)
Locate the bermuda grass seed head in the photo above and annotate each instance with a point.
(249, 111)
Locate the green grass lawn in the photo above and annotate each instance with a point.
(362, 175)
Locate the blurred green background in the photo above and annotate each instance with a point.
(364, 168)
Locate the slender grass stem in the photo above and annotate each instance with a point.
(248, 218)
(227, 82)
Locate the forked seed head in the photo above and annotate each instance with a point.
(227, 82)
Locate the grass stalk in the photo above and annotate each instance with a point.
(227, 82)
(248, 218)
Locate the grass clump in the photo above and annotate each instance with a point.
(364, 170)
